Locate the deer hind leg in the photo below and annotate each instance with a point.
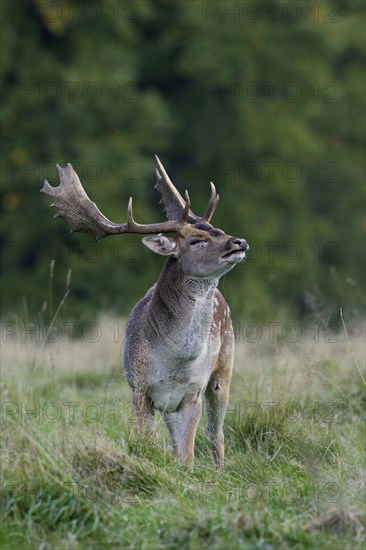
(217, 392)
(217, 397)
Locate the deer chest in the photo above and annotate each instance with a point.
(169, 383)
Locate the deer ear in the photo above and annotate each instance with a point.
(166, 246)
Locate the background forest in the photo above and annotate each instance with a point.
(266, 99)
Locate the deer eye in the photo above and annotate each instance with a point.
(196, 241)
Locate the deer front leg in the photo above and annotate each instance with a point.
(144, 412)
(188, 419)
(171, 421)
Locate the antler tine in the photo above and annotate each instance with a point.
(130, 221)
(164, 227)
(171, 199)
(163, 172)
(184, 216)
(211, 207)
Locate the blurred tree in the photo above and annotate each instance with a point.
(262, 98)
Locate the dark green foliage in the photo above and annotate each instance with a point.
(267, 107)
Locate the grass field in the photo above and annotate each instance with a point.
(76, 475)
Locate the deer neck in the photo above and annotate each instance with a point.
(180, 305)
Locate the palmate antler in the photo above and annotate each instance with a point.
(83, 216)
(173, 201)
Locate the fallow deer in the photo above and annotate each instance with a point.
(179, 342)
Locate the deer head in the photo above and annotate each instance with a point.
(202, 250)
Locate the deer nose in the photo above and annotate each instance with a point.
(241, 242)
